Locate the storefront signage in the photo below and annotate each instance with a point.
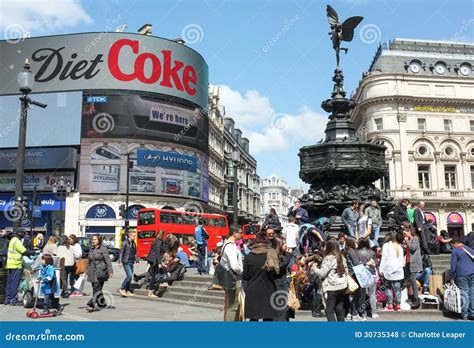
(455, 219)
(120, 61)
(100, 211)
(166, 160)
(48, 202)
(42, 181)
(41, 158)
(448, 109)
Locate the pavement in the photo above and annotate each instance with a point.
(140, 308)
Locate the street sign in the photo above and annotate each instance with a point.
(36, 211)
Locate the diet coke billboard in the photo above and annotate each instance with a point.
(98, 61)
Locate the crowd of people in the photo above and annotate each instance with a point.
(352, 277)
(349, 277)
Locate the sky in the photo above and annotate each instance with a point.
(272, 60)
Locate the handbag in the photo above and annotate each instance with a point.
(293, 301)
(352, 285)
(101, 273)
(81, 266)
(79, 283)
(227, 279)
(436, 285)
(452, 298)
(363, 275)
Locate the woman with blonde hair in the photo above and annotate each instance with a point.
(51, 248)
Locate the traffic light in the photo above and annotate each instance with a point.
(122, 210)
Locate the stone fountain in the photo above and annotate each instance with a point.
(342, 167)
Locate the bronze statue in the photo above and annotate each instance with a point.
(344, 32)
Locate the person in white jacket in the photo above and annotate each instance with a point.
(231, 260)
(391, 269)
(66, 252)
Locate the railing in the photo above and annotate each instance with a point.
(434, 195)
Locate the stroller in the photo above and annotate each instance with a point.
(29, 286)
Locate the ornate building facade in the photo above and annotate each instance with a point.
(418, 99)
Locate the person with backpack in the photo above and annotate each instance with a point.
(231, 260)
(201, 237)
(462, 273)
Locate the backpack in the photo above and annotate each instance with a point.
(204, 233)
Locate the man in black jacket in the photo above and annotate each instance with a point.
(400, 212)
(300, 214)
(421, 228)
(127, 259)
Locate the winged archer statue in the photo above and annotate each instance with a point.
(341, 32)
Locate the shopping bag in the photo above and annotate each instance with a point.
(436, 285)
(81, 266)
(363, 275)
(80, 282)
(452, 298)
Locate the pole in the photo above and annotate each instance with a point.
(32, 214)
(234, 195)
(20, 163)
(127, 193)
(61, 192)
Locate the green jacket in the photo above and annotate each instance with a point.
(411, 215)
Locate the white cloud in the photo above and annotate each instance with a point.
(268, 130)
(41, 16)
(249, 109)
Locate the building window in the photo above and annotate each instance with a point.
(230, 194)
(378, 124)
(447, 125)
(472, 177)
(424, 177)
(471, 123)
(450, 177)
(422, 124)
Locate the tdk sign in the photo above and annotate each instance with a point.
(97, 100)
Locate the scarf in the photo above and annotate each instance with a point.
(272, 263)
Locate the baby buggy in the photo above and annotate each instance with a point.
(30, 286)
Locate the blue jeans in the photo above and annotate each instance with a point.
(466, 285)
(350, 230)
(201, 262)
(396, 285)
(128, 268)
(48, 302)
(424, 276)
(374, 235)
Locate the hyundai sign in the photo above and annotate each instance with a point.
(120, 61)
(166, 160)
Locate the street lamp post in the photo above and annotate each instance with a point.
(61, 188)
(127, 196)
(235, 162)
(25, 81)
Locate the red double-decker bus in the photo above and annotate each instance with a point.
(181, 224)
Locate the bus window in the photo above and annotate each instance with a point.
(176, 218)
(165, 217)
(184, 239)
(189, 219)
(146, 234)
(222, 222)
(146, 218)
(213, 222)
